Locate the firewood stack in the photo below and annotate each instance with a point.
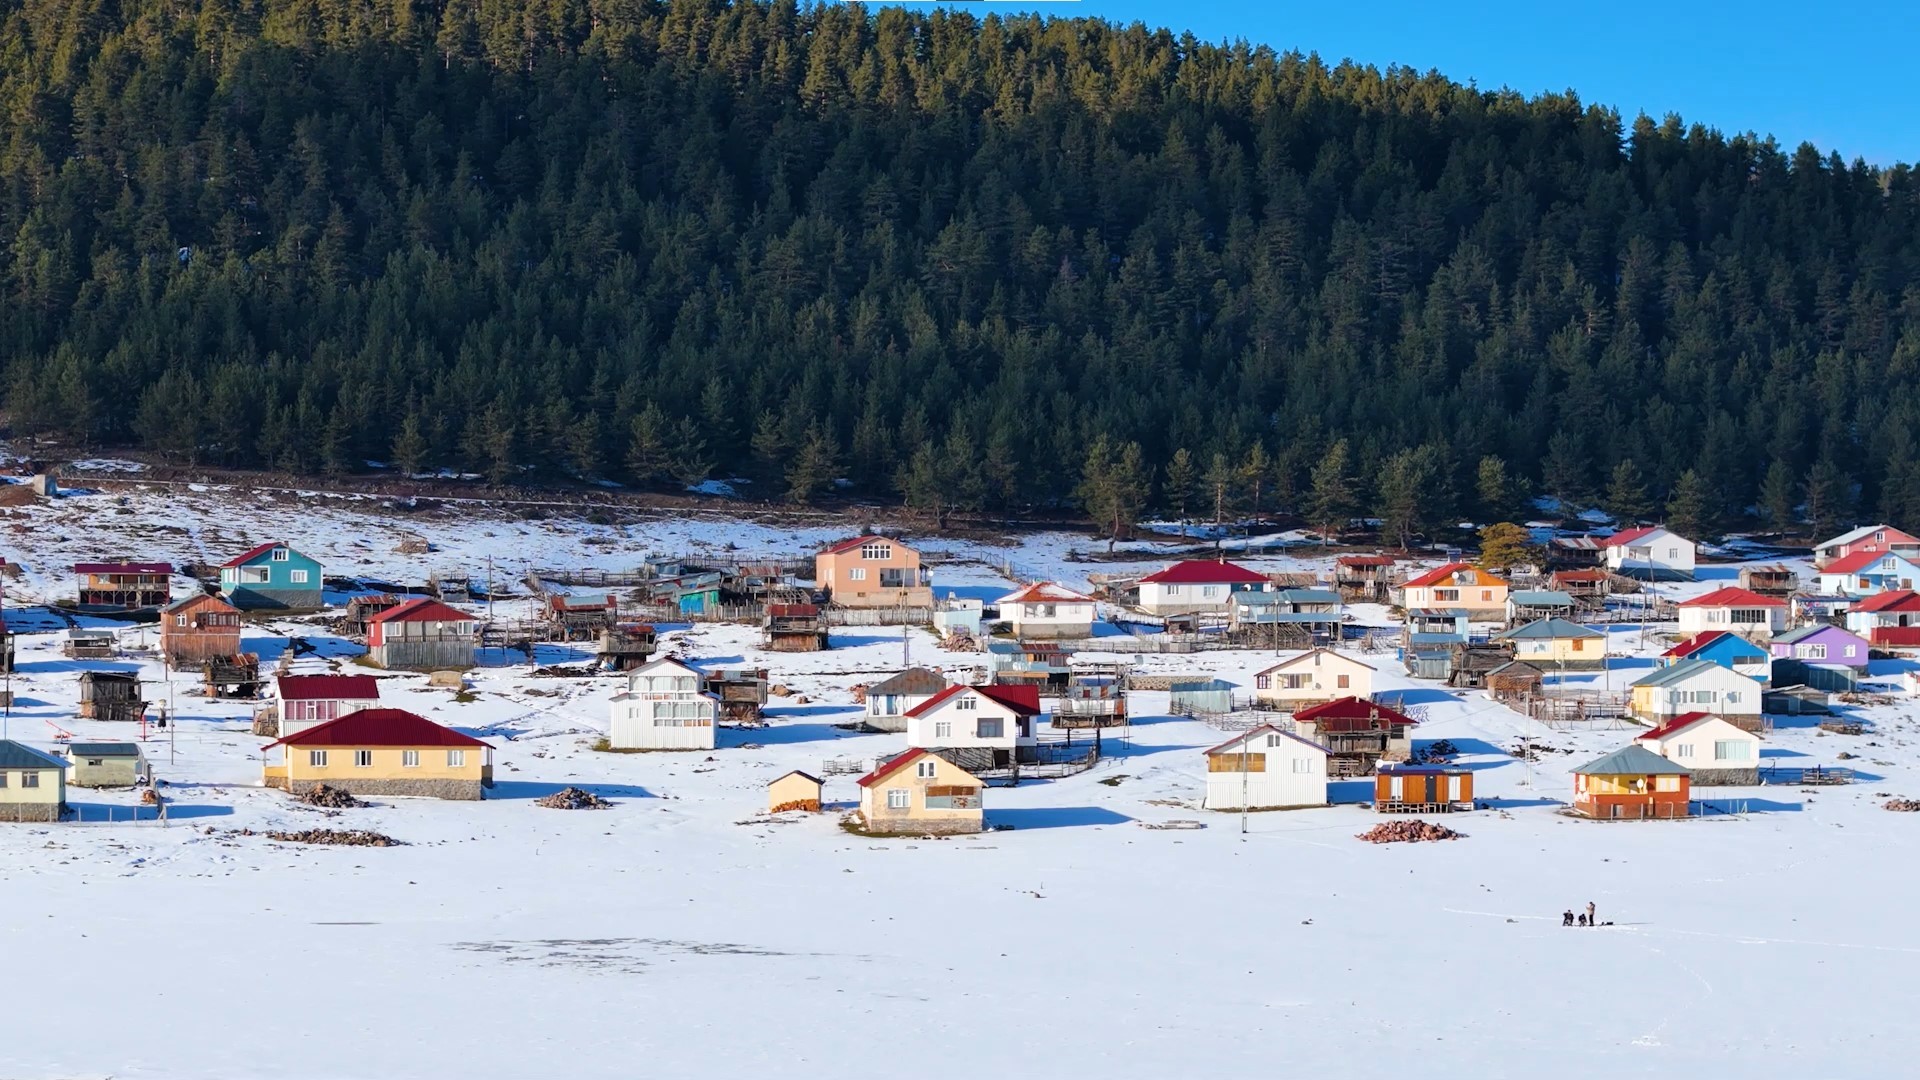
(572, 798)
(1904, 806)
(331, 798)
(1407, 832)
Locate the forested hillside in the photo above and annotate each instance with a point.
(1002, 262)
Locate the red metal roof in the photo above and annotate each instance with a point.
(1860, 560)
(1023, 700)
(1439, 574)
(1045, 592)
(1365, 560)
(329, 688)
(1205, 572)
(1675, 725)
(1628, 536)
(1891, 600)
(849, 545)
(1579, 575)
(254, 553)
(379, 727)
(1352, 714)
(1733, 596)
(123, 568)
(420, 609)
(893, 765)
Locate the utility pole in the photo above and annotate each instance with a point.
(1245, 798)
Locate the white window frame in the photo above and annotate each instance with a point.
(298, 577)
(456, 759)
(966, 703)
(899, 799)
(943, 729)
(926, 770)
(878, 551)
(317, 759)
(1683, 750)
(363, 759)
(410, 759)
(858, 573)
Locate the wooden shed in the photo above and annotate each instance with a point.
(199, 628)
(110, 695)
(1514, 680)
(795, 791)
(1422, 789)
(795, 628)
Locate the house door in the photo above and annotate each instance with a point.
(1616, 809)
(1443, 789)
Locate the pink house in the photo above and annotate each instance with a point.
(873, 571)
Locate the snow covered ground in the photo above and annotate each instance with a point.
(683, 933)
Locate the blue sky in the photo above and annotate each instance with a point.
(1837, 75)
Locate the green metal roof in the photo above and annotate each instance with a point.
(1551, 629)
(15, 755)
(1541, 598)
(1633, 760)
(1678, 673)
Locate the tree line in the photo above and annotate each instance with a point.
(998, 263)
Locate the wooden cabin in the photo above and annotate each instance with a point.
(1357, 733)
(742, 693)
(1090, 705)
(362, 609)
(1587, 587)
(580, 618)
(626, 646)
(235, 677)
(422, 634)
(795, 628)
(1364, 577)
(1468, 663)
(1776, 580)
(111, 695)
(197, 629)
(1422, 789)
(889, 700)
(1633, 782)
(795, 791)
(83, 644)
(1514, 680)
(124, 586)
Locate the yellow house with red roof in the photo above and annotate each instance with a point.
(381, 752)
(921, 793)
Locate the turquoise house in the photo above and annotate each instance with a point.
(271, 577)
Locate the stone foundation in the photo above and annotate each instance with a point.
(30, 811)
(911, 827)
(461, 790)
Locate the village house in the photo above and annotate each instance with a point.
(890, 699)
(1575, 553)
(33, 783)
(107, 765)
(1650, 553)
(1198, 586)
(1452, 624)
(304, 701)
(197, 629)
(872, 571)
(958, 615)
(1633, 782)
(1364, 577)
(112, 696)
(1421, 789)
(921, 794)
(1048, 611)
(1889, 620)
(1696, 686)
(626, 646)
(1513, 681)
(1266, 769)
(1727, 650)
(795, 791)
(794, 628)
(1481, 593)
(1823, 643)
(741, 693)
(272, 577)
(1863, 573)
(1527, 605)
(1298, 618)
(1556, 644)
(580, 616)
(124, 586)
(421, 634)
(1878, 539)
(381, 752)
(1357, 733)
(1718, 753)
(1776, 579)
(1735, 610)
(1311, 678)
(663, 708)
(999, 719)
(1584, 586)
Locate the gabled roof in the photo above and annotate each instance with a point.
(1298, 596)
(1352, 714)
(1682, 671)
(1676, 725)
(914, 680)
(1045, 592)
(1515, 667)
(1540, 598)
(1628, 536)
(1365, 560)
(1855, 561)
(1801, 633)
(1579, 575)
(329, 688)
(1205, 572)
(103, 749)
(1706, 638)
(1023, 700)
(16, 755)
(1310, 654)
(420, 609)
(1548, 629)
(1891, 600)
(1633, 760)
(378, 727)
(858, 541)
(666, 661)
(1445, 573)
(188, 601)
(123, 568)
(1265, 729)
(1733, 596)
(900, 761)
(801, 775)
(254, 553)
(1894, 536)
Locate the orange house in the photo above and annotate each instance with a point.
(1632, 782)
(873, 571)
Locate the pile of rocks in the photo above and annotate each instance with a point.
(1904, 806)
(1407, 832)
(572, 798)
(332, 798)
(337, 837)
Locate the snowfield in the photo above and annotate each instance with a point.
(683, 933)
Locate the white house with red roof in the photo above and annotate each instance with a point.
(1457, 586)
(1313, 677)
(663, 708)
(1266, 769)
(919, 793)
(304, 701)
(1651, 553)
(1198, 586)
(1735, 610)
(1863, 573)
(969, 717)
(1889, 619)
(1879, 539)
(1046, 610)
(1718, 752)
(421, 634)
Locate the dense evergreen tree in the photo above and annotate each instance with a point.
(819, 238)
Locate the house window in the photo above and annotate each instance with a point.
(990, 729)
(880, 552)
(1486, 594)
(1303, 765)
(29, 779)
(1293, 682)
(279, 554)
(1262, 682)
(1731, 750)
(1673, 554)
(1343, 681)
(966, 703)
(94, 762)
(255, 575)
(1683, 750)
(858, 573)
(1666, 783)
(1749, 615)
(298, 577)
(1733, 697)
(925, 770)
(1208, 592)
(899, 798)
(410, 758)
(3, 779)
(1812, 652)
(456, 759)
(179, 620)
(1704, 697)
(1273, 740)
(1849, 651)
(1579, 644)
(363, 759)
(1446, 594)
(1886, 563)
(943, 729)
(1464, 577)
(317, 758)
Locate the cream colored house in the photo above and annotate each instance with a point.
(1457, 586)
(919, 793)
(382, 752)
(873, 571)
(1718, 752)
(795, 791)
(1556, 644)
(1046, 610)
(33, 784)
(1311, 678)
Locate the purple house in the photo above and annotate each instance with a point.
(1822, 644)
